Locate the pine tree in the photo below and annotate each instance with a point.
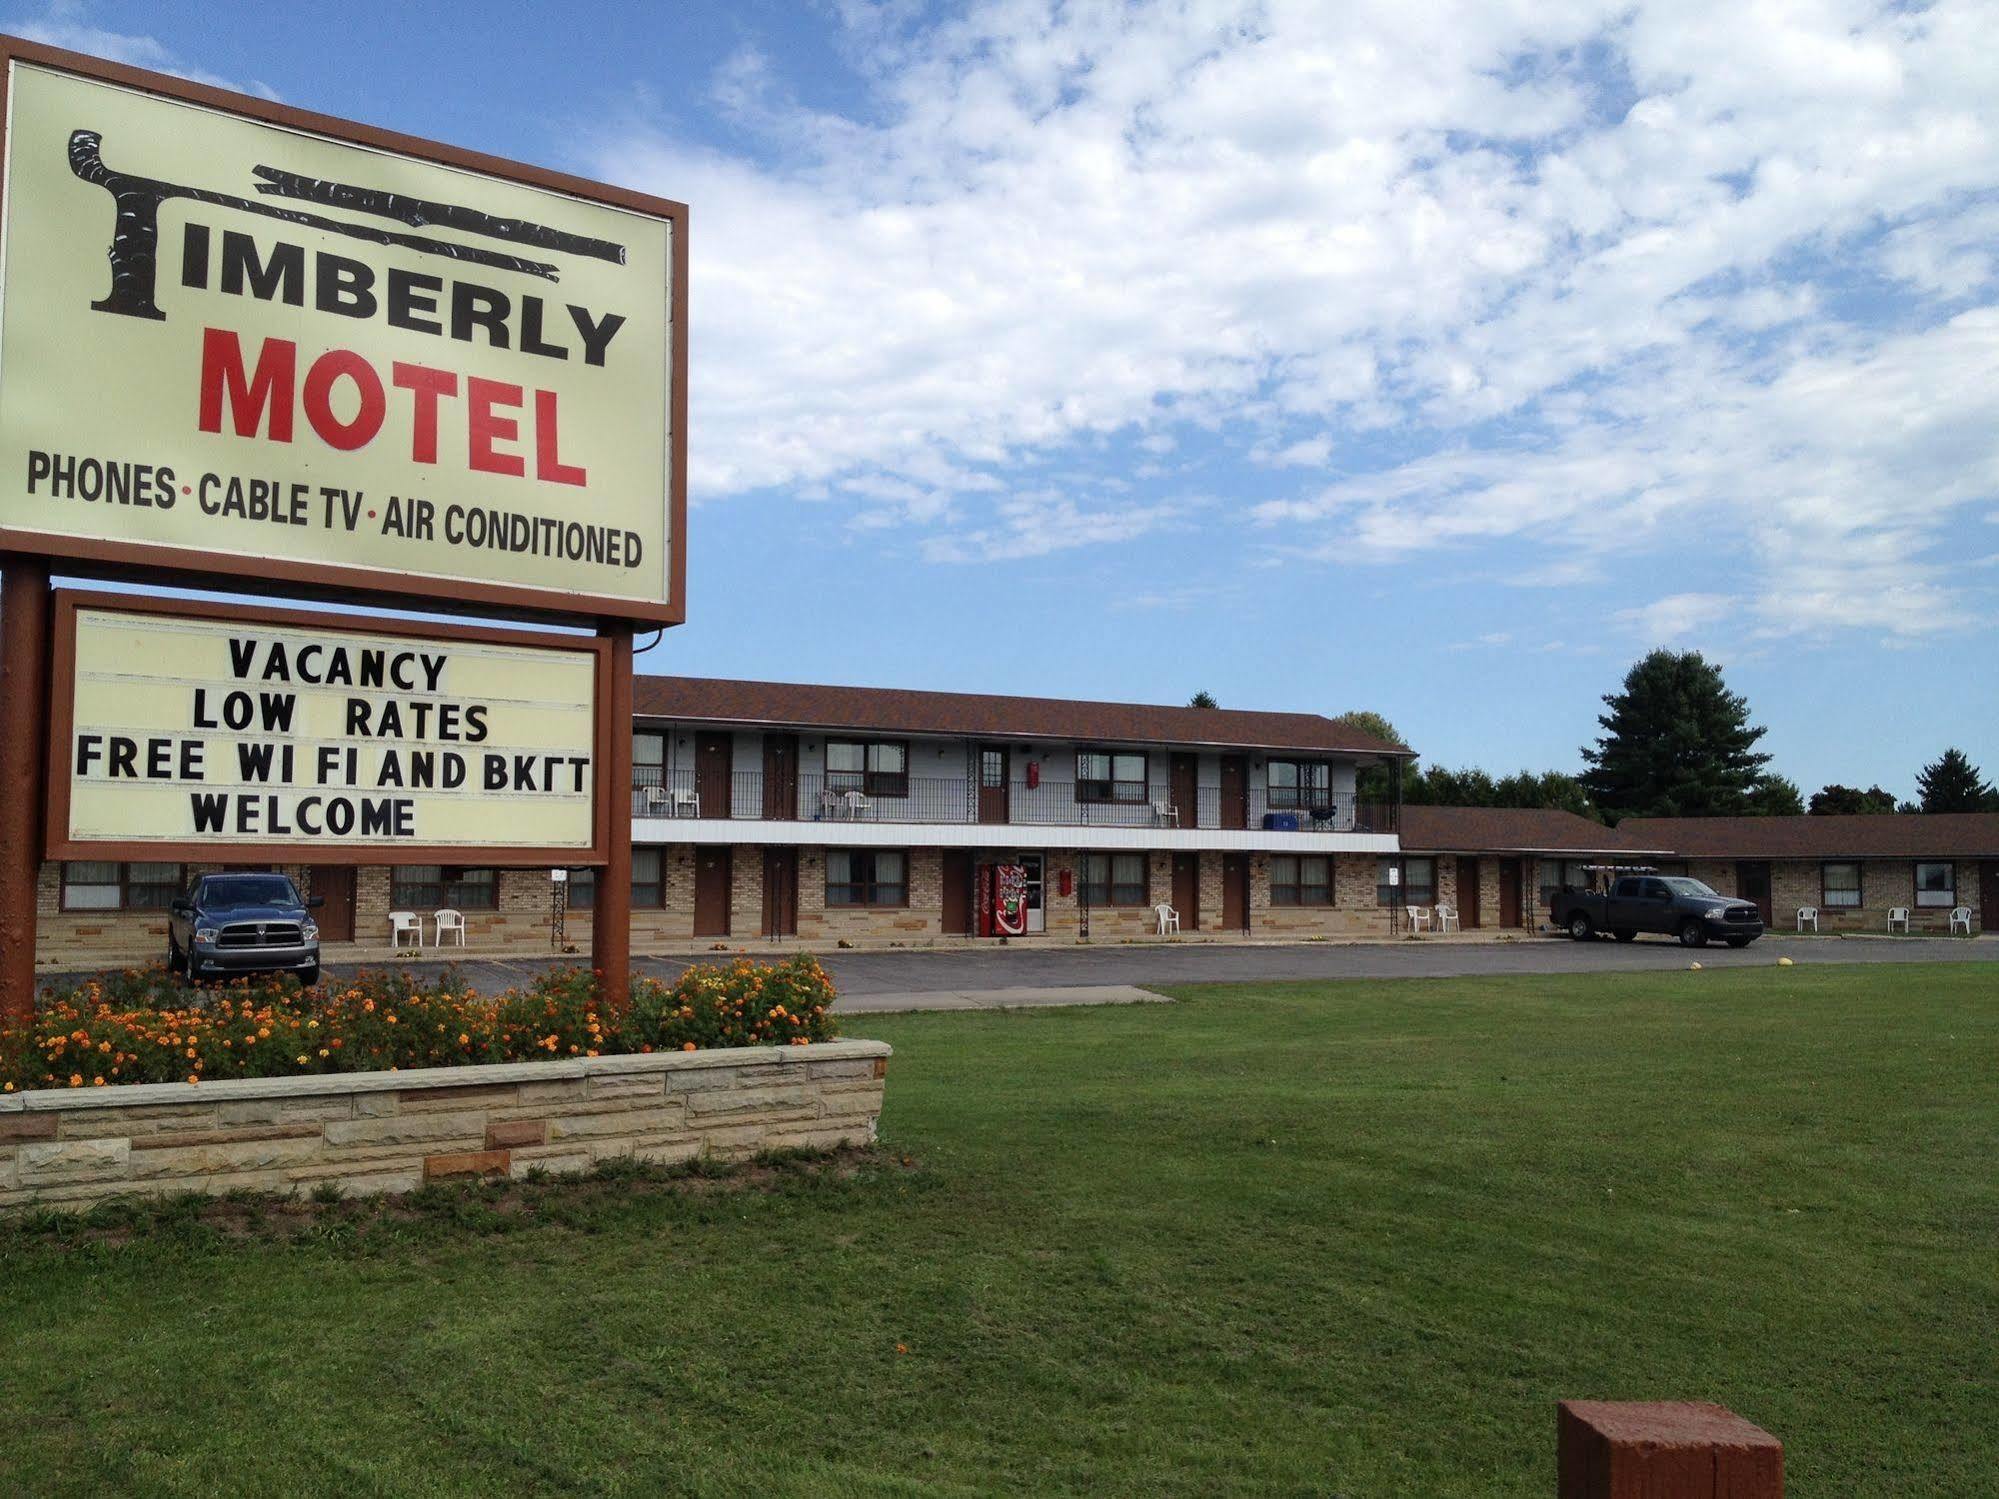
(1951, 783)
(1676, 743)
(1203, 700)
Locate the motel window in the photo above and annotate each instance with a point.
(1110, 776)
(648, 759)
(1839, 886)
(648, 882)
(1936, 883)
(1115, 880)
(1304, 784)
(94, 885)
(1418, 887)
(1301, 880)
(879, 767)
(1562, 874)
(867, 877)
(445, 887)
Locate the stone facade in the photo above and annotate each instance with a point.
(389, 1132)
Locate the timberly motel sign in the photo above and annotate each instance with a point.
(250, 349)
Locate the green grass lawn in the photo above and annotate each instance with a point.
(1320, 1239)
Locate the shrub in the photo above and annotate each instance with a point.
(141, 1026)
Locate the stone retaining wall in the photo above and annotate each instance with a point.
(390, 1131)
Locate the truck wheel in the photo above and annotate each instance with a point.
(309, 976)
(1581, 927)
(1625, 934)
(175, 962)
(1693, 934)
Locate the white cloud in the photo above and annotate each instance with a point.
(1671, 619)
(1563, 258)
(66, 24)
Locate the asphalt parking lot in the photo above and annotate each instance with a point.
(905, 974)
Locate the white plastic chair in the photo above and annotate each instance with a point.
(1447, 919)
(1808, 913)
(450, 921)
(657, 796)
(1168, 918)
(686, 803)
(1165, 815)
(1960, 920)
(1419, 918)
(405, 921)
(857, 804)
(1901, 914)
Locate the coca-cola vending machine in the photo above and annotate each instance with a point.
(1002, 900)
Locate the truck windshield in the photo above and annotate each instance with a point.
(1681, 885)
(233, 892)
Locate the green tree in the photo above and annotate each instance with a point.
(1776, 796)
(1951, 783)
(1553, 789)
(1203, 700)
(1849, 801)
(1676, 743)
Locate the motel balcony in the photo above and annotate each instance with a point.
(956, 811)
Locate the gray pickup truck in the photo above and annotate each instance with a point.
(243, 923)
(1670, 905)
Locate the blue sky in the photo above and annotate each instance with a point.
(1435, 360)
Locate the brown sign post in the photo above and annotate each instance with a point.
(252, 348)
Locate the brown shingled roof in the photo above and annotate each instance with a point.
(1476, 830)
(1885, 835)
(987, 716)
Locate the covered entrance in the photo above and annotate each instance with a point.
(1509, 893)
(780, 915)
(1187, 891)
(1988, 896)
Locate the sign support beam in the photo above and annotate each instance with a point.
(25, 610)
(611, 913)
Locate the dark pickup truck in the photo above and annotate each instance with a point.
(1671, 905)
(243, 923)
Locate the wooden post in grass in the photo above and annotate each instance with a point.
(1663, 1449)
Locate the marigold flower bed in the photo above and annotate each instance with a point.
(144, 1026)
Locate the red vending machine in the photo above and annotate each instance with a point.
(1002, 900)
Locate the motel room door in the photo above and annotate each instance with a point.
(994, 768)
(711, 890)
(714, 759)
(780, 892)
(335, 885)
(1235, 892)
(1988, 896)
(1509, 892)
(957, 881)
(780, 777)
(1752, 882)
(1468, 912)
(1235, 793)
(1187, 889)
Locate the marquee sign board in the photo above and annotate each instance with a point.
(272, 349)
(181, 728)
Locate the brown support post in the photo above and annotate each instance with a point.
(611, 915)
(24, 708)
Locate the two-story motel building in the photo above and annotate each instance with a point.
(779, 812)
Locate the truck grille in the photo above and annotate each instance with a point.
(260, 934)
(1742, 913)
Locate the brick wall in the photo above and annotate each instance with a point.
(389, 1132)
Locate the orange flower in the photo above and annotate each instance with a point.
(687, 1046)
